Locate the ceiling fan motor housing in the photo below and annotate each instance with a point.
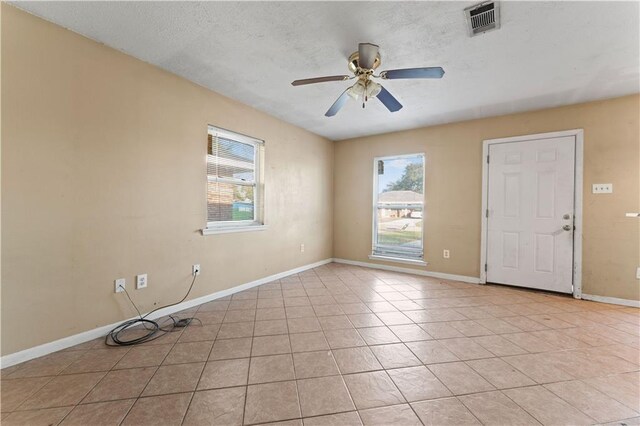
(354, 64)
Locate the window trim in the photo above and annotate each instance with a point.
(419, 262)
(234, 229)
(257, 223)
(391, 256)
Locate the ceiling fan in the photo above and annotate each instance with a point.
(363, 64)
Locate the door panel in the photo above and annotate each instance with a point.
(530, 200)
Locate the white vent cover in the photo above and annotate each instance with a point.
(482, 17)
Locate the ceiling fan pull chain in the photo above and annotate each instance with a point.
(364, 94)
(366, 83)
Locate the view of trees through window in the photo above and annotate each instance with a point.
(411, 179)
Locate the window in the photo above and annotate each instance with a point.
(398, 208)
(234, 184)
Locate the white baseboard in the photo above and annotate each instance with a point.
(76, 339)
(463, 278)
(611, 300)
(474, 280)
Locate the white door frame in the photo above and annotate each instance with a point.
(577, 235)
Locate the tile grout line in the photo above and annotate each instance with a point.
(295, 376)
(155, 372)
(246, 392)
(203, 367)
(578, 409)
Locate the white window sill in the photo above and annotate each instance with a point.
(416, 262)
(232, 229)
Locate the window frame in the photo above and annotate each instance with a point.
(391, 255)
(257, 223)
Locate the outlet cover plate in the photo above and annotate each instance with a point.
(602, 188)
(119, 285)
(141, 281)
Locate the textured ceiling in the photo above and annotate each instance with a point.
(545, 54)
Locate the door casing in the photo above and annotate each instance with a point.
(578, 134)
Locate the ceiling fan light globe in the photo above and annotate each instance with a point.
(373, 89)
(356, 91)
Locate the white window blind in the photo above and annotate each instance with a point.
(398, 209)
(233, 179)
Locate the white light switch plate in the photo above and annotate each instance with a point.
(602, 188)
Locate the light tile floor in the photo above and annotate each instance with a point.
(348, 345)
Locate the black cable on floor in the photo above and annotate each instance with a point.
(154, 329)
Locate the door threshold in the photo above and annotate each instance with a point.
(530, 289)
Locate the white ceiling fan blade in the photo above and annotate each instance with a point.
(388, 100)
(338, 104)
(426, 72)
(320, 80)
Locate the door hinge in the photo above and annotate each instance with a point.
(486, 213)
(485, 267)
(487, 159)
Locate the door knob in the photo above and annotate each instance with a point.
(567, 227)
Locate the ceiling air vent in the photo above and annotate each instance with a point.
(482, 17)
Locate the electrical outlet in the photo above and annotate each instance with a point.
(195, 270)
(602, 188)
(141, 281)
(120, 285)
(445, 254)
(301, 248)
(638, 272)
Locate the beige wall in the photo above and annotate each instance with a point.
(611, 243)
(103, 176)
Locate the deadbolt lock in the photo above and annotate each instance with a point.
(566, 216)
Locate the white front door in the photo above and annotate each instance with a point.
(530, 213)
